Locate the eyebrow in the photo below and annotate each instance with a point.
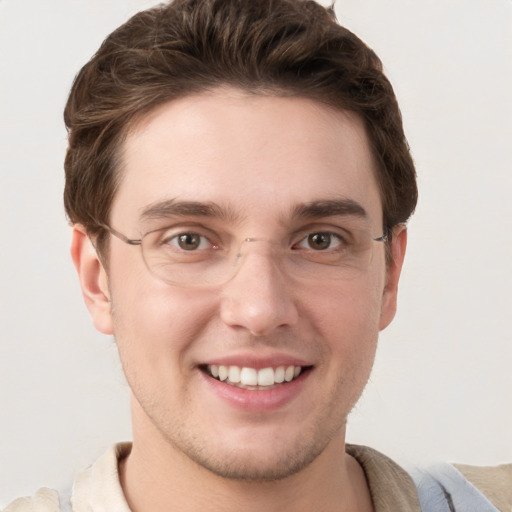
(314, 209)
(173, 207)
(329, 208)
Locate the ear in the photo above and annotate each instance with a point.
(93, 280)
(394, 267)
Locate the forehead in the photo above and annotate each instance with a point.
(248, 153)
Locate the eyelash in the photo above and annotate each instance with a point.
(174, 240)
(333, 238)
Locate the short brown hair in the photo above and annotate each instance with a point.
(280, 47)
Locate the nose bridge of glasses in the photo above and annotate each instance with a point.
(261, 255)
(255, 245)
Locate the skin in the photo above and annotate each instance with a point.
(258, 157)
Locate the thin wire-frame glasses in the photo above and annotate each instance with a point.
(187, 257)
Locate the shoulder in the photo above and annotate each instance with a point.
(95, 488)
(391, 487)
(44, 500)
(471, 488)
(495, 482)
(438, 487)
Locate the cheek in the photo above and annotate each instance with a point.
(350, 308)
(347, 319)
(155, 331)
(154, 324)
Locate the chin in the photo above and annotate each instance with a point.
(247, 468)
(259, 458)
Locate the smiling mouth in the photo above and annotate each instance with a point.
(252, 378)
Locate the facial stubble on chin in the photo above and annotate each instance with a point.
(235, 465)
(239, 466)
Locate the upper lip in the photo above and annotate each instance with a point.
(257, 362)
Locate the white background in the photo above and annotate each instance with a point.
(442, 383)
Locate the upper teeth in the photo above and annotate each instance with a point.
(252, 377)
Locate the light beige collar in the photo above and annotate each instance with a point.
(98, 487)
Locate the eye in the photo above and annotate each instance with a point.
(320, 241)
(188, 241)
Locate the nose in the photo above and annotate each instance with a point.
(259, 298)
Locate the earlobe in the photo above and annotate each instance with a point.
(93, 280)
(394, 268)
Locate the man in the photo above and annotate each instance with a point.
(238, 182)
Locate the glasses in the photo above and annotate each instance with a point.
(197, 256)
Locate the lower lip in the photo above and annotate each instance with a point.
(257, 400)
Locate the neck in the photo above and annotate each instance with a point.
(158, 476)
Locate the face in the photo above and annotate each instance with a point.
(258, 160)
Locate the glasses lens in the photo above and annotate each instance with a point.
(189, 259)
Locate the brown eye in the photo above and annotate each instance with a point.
(319, 241)
(189, 241)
